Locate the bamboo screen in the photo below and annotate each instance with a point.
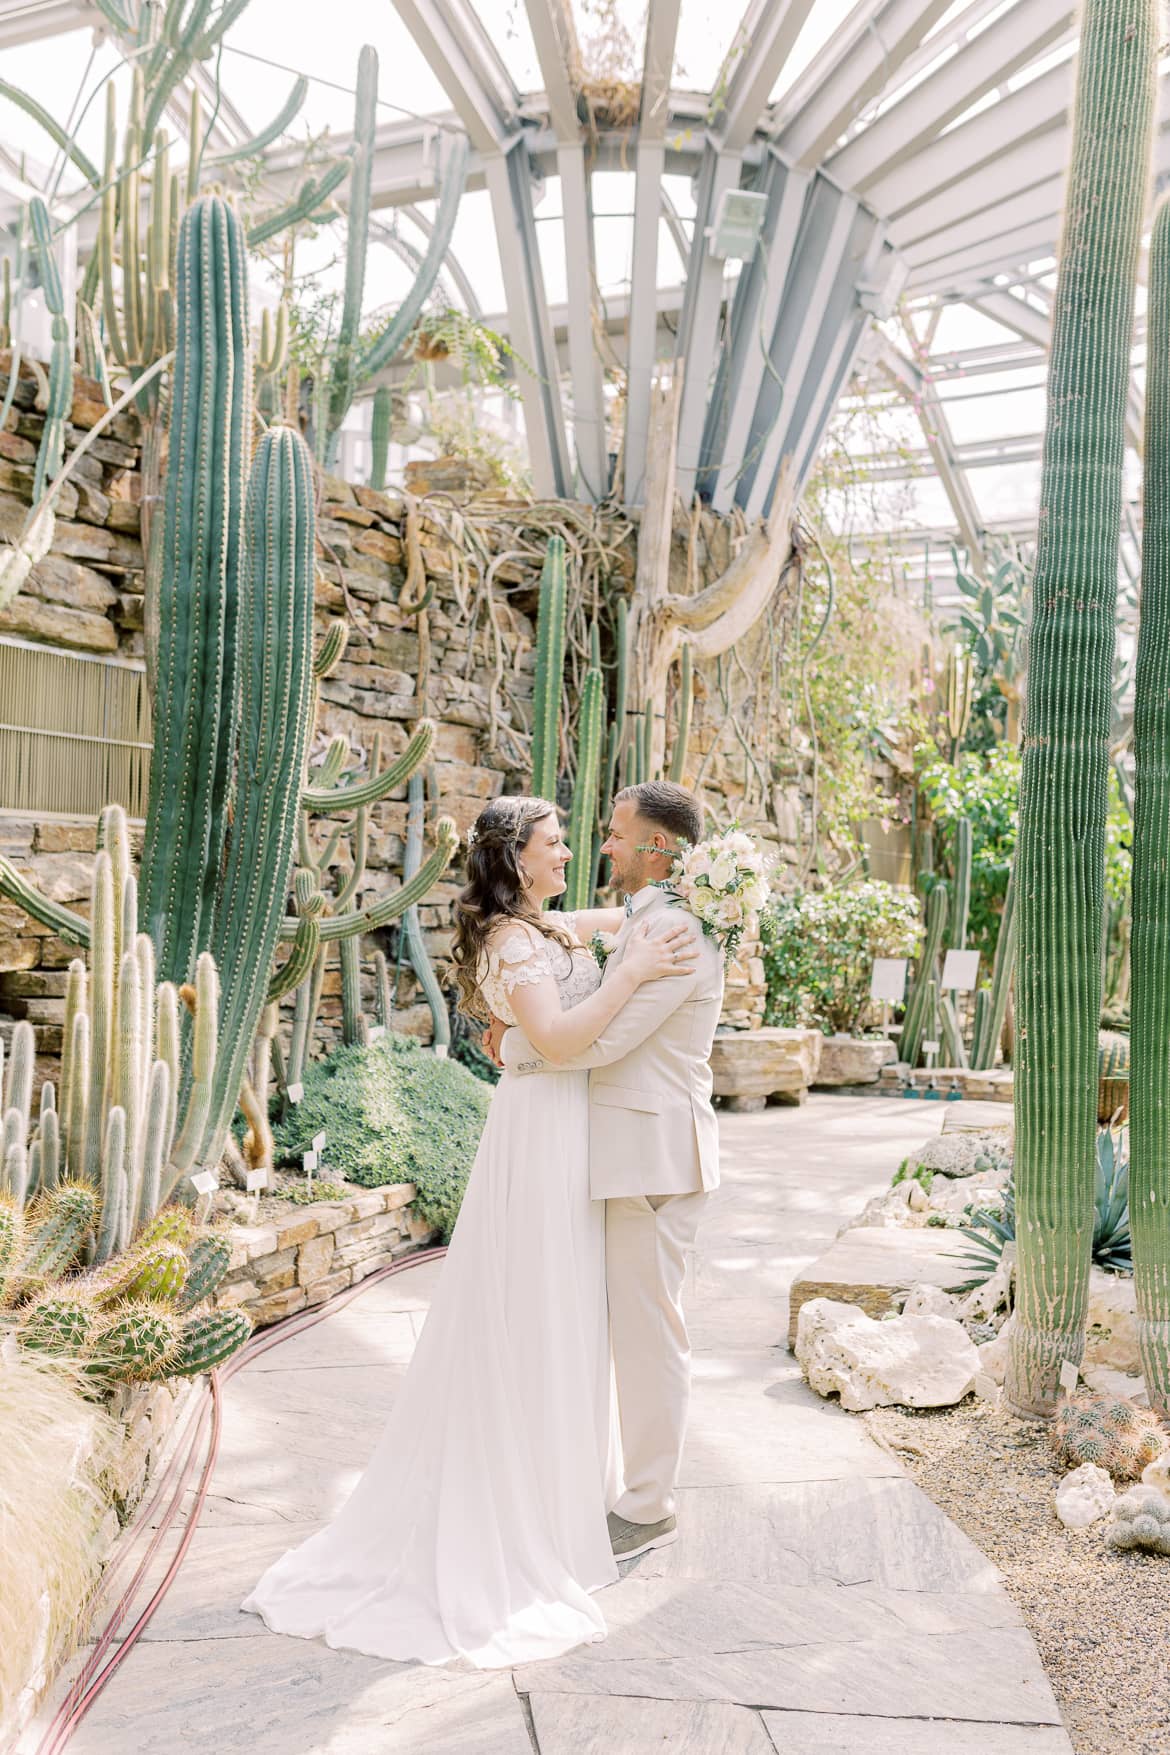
(74, 732)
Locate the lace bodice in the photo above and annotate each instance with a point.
(520, 956)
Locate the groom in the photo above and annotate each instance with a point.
(653, 1157)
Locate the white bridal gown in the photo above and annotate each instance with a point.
(478, 1529)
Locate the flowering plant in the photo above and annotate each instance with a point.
(723, 882)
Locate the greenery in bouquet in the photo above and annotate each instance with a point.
(723, 882)
(819, 948)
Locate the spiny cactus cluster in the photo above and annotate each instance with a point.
(141, 1316)
(1107, 1430)
(1140, 1519)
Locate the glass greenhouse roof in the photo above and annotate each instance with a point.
(944, 125)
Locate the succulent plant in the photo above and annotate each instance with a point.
(1107, 1430)
(208, 1261)
(987, 1233)
(59, 1322)
(1140, 1519)
(133, 1344)
(208, 1339)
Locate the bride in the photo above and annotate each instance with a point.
(479, 1527)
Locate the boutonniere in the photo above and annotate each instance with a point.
(723, 882)
(602, 944)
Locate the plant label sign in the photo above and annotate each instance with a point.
(961, 971)
(204, 1182)
(296, 1093)
(319, 1141)
(930, 1047)
(256, 1179)
(377, 1031)
(1069, 1376)
(310, 1162)
(888, 980)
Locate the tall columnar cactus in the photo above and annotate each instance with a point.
(276, 686)
(1149, 1121)
(991, 1003)
(1063, 793)
(962, 907)
(922, 1004)
(197, 683)
(583, 817)
(621, 700)
(550, 665)
(345, 362)
(60, 398)
(686, 696)
(412, 922)
(380, 436)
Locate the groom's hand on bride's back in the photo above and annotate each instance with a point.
(491, 1039)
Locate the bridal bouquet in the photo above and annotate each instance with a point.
(723, 882)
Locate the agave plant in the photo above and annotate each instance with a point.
(986, 1233)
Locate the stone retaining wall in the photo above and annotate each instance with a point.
(294, 1259)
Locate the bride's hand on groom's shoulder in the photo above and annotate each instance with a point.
(673, 952)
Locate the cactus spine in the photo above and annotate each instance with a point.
(922, 1004)
(1149, 1165)
(617, 729)
(412, 925)
(991, 1003)
(585, 787)
(1063, 795)
(550, 664)
(203, 529)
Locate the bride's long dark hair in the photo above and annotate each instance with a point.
(496, 890)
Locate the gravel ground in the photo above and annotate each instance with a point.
(1100, 1618)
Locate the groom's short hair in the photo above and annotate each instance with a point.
(669, 807)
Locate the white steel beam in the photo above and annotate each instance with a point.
(557, 51)
(35, 21)
(953, 87)
(821, 256)
(1019, 168)
(1042, 203)
(649, 165)
(1003, 127)
(845, 327)
(996, 255)
(923, 397)
(753, 64)
(463, 60)
(752, 321)
(855, 65)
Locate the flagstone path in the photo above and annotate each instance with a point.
(817, 1603)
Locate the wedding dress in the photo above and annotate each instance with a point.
(478, 1529)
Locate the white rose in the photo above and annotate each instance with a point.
(729, 912)
(698, 861)
(741, 844)
(722, 871)
(755, 894)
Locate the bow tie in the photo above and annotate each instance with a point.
(629, 904)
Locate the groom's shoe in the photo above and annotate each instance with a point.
(631, 1539)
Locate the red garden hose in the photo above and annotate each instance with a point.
(94, 1675)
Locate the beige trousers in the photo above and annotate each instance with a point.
(646, 1243)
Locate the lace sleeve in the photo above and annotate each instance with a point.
(521, 958)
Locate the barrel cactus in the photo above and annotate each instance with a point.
(1140, 1519)
(1060, 858)
(1107, 1430)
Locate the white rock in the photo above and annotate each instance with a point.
(982, 1304)
(1157, 1473)
(917, 1199)
(985, 1387)
(891, 1207)
(993, 1355)
(1084, 1496)
(927, 1300)
(984, 1190)
(913, 1361)
(1111, 1338)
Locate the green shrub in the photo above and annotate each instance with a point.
(819, 949)
(392, 1113)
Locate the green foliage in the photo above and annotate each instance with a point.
(920, 1173)
(983, 788)
(987, 1233)
(991, 625)
(393, 1113)
(304, 1194)
(819, 948)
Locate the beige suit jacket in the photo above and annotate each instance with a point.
(652, 1129)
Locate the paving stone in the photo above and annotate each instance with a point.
(600, 1726)
(874, 1268)
(830, 1733)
